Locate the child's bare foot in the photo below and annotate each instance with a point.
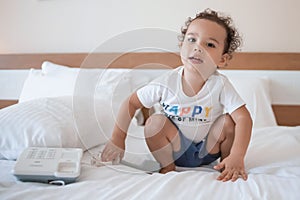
(167, 169)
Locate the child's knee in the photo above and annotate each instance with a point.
(228, 126)
(154, 125)
(223, 128)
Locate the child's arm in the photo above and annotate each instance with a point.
(116, 146)
(233, 165)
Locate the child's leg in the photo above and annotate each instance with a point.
(162, 139)
(221, 136)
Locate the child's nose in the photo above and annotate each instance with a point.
(198, 48)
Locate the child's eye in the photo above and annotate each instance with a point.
(191, 39)
(211, 45)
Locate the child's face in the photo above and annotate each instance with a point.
(203, 46)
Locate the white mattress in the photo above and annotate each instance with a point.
(272, 163)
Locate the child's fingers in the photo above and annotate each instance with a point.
(228, 176)
(107, 154)
(219, 166)
(244, 175)
(235, 176)
(232, 175)
(222, 175)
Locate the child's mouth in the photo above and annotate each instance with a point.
(195, 60)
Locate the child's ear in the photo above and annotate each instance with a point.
(180, 44)
(224, 60)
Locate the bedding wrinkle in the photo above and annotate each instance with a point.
(146, 188)
(275, 185)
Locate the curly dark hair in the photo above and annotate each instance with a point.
(233, 40)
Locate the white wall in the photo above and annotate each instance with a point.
(30, 26)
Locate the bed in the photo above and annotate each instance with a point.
(70, 100)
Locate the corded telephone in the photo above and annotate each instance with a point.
(48, 165)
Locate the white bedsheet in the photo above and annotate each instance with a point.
(272, 163)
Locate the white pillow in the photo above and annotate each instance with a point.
(54, 122)
(99, 98)
(256, 94)
(58, 80)
(40, 122)
(52, 81)
(96, 93)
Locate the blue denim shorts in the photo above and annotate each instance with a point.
(192, 154)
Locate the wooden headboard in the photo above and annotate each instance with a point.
(285, 114)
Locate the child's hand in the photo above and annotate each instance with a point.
(233, 168)
(113, 150)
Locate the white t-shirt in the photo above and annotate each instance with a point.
(193, 115)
